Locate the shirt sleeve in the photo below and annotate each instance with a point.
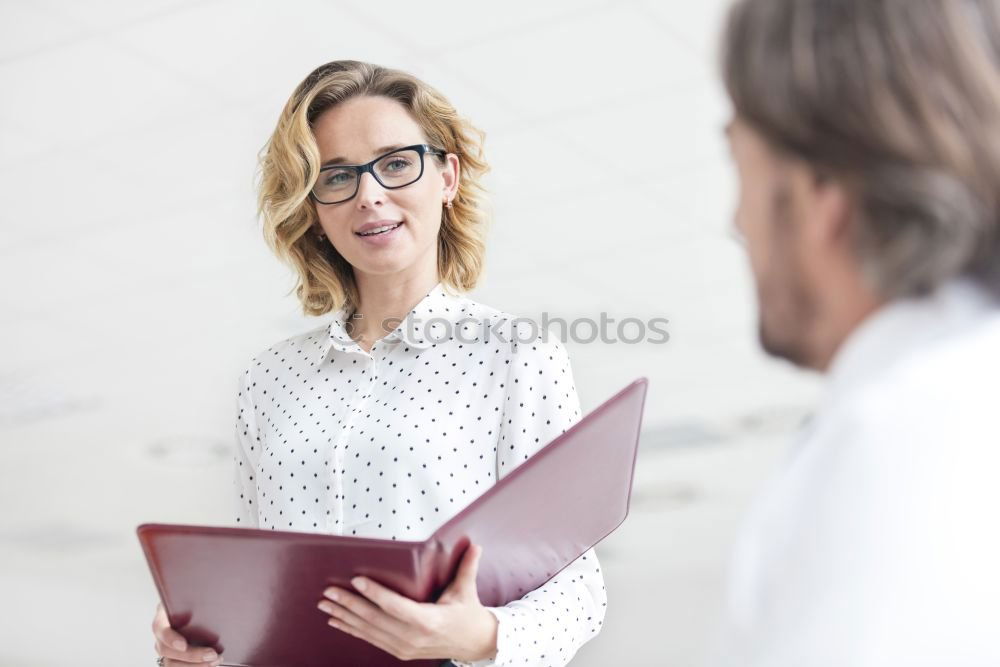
(548, 625)
(247, 450)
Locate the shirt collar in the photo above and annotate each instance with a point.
(426, 324)
(898, 328)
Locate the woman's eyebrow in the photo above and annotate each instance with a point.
(379, 151)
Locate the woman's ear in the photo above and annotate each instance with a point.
(451, 175)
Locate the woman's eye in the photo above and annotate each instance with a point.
(397, 164)
(338, 178)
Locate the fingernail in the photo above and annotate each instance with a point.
(179, 644)
(331, 593)
(358, 583)
(209, 656)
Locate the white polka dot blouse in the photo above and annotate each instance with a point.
(391, 444)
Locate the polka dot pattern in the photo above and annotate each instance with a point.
(392, 443)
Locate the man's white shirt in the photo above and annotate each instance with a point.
(878, 541)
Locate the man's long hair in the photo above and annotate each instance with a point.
(900, 101)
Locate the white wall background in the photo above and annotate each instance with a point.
(134, 283)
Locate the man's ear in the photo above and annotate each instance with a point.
(828, 207)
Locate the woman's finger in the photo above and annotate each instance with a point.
(390, 646)
(366, 610)
(356, 625)
(171, 644)
(394, 604)
(465, 578)
(359, 634)
(170, 662)
(165, 634)
(193, 656)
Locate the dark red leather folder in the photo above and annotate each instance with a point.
(251, 594)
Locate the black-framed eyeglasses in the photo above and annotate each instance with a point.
(404, 166)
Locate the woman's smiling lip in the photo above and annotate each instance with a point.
(368, 226)
(379, 239)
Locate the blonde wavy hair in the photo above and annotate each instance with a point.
(289, 164)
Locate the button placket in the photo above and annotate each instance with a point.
(336, 522)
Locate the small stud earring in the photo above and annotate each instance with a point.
(448, 204)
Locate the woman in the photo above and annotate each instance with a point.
(409, 404)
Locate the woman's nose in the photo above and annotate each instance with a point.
(370, 192)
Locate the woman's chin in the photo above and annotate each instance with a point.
(393, 258)
(384, 265)
(364, 254)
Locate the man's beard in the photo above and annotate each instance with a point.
(786, 302)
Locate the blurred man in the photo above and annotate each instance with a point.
(866, 134)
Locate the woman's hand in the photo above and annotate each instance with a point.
(457, 626)
(172, 646)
